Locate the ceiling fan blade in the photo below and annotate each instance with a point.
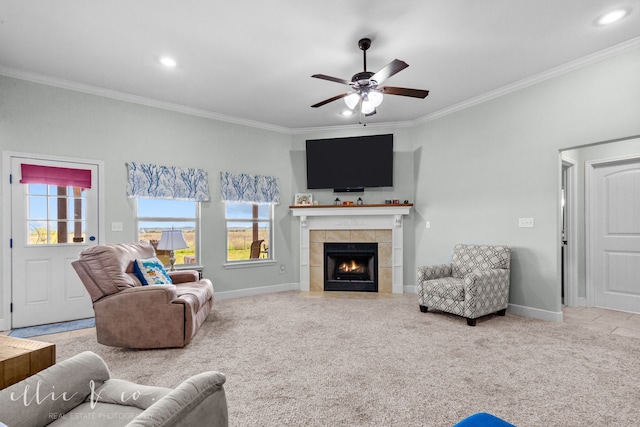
(389, 70)
(331, 79)
(403, 91)
(326, 101)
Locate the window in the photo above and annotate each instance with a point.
(55, 214)
(156, 215)
(249, 230)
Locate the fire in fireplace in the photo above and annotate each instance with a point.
(351, 267)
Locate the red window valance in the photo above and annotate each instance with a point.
(50, 175)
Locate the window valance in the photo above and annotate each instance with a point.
(167, 182)
(242, 187)
(51, 175)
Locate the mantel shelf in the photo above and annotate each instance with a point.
(380, 205)
(397, 210)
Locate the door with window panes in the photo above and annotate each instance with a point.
(50, 225)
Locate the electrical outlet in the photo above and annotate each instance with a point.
(526, 222)
(282, 268)
(427, 224)
(117, 226)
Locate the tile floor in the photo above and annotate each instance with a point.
(599, 319)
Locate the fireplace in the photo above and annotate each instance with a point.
(351, 267)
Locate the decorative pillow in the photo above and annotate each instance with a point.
(150, 271)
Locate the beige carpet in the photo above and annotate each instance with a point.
(292, 359)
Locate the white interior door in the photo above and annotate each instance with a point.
(614, 214)
(50, 225)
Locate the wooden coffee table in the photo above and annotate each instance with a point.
(21, 358)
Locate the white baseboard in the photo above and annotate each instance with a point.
(581, 302)
(257, 291)
(410, 289)
(520, 310)
(535, 313)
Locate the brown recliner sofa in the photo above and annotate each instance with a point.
(131, 315)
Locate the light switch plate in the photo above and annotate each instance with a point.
(526, 222)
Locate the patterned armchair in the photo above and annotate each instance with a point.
(475, 284)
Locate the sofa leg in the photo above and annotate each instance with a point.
(501, 312)
(471, 322)
(424, 308)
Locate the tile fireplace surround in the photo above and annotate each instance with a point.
(364, 223)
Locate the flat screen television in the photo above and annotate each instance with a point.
(350, 164)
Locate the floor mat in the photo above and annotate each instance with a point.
(53, 328)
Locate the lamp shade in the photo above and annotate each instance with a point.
(367, 107)
(375, 97)
(171, 240)
(352, 100)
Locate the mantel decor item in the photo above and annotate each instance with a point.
(170, 241)
(303, 199)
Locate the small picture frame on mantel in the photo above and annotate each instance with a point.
(304, 199)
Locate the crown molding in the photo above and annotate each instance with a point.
(135, 99)
(471, 102)
(404, 124)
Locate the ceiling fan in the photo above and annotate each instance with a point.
(366, 85)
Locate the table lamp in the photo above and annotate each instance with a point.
(170, 241)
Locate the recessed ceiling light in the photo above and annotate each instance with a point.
(612, 17)
(347, 113)
(168, 62)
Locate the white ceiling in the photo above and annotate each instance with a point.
(250, 61)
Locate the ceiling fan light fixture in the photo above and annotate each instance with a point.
(375, 98)
(352, 100)
(367, 107)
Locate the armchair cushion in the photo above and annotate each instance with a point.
(150, 271)
(468, 258)
(446, 287)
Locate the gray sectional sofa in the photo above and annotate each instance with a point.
(79, 391)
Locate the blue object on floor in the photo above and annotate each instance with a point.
(53, 328)
(483, 419)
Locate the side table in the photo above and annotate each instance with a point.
(21, 358)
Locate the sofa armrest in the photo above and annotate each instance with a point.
(184, 276)
(150, 294)
(55, 390)
(430, 272)
(141, 317)
(127, 393)
(489, 283)
(199, 400)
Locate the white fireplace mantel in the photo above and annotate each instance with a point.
(356, 217)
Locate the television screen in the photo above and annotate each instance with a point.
(350, 164)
